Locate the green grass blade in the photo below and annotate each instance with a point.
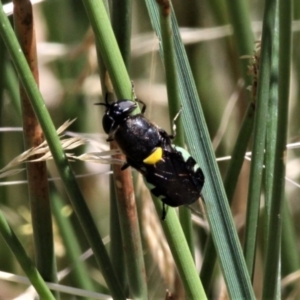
(289, 251)
(244, 43)
(218, 211)
(256, 171)
(25, 262)
(2, 69)
(181, 253)
(121, 20)
(240, 19)
(273, 254)
(271, 129)
(244, 40)
(10, 83)
(127, 210)
(111, 56)
(174, 104)
(108, 46)
(80, 272)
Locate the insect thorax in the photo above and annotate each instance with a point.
(138, 137)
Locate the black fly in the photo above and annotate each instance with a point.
(170, 172)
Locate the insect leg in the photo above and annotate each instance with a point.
(172, 136)
(112, 130)
(143, 105)
(110, 138)
(125, 166)
(138, 100)
(164, 211)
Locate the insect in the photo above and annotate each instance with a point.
(170, 172)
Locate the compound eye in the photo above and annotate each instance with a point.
(116, 113)
(107, 124)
